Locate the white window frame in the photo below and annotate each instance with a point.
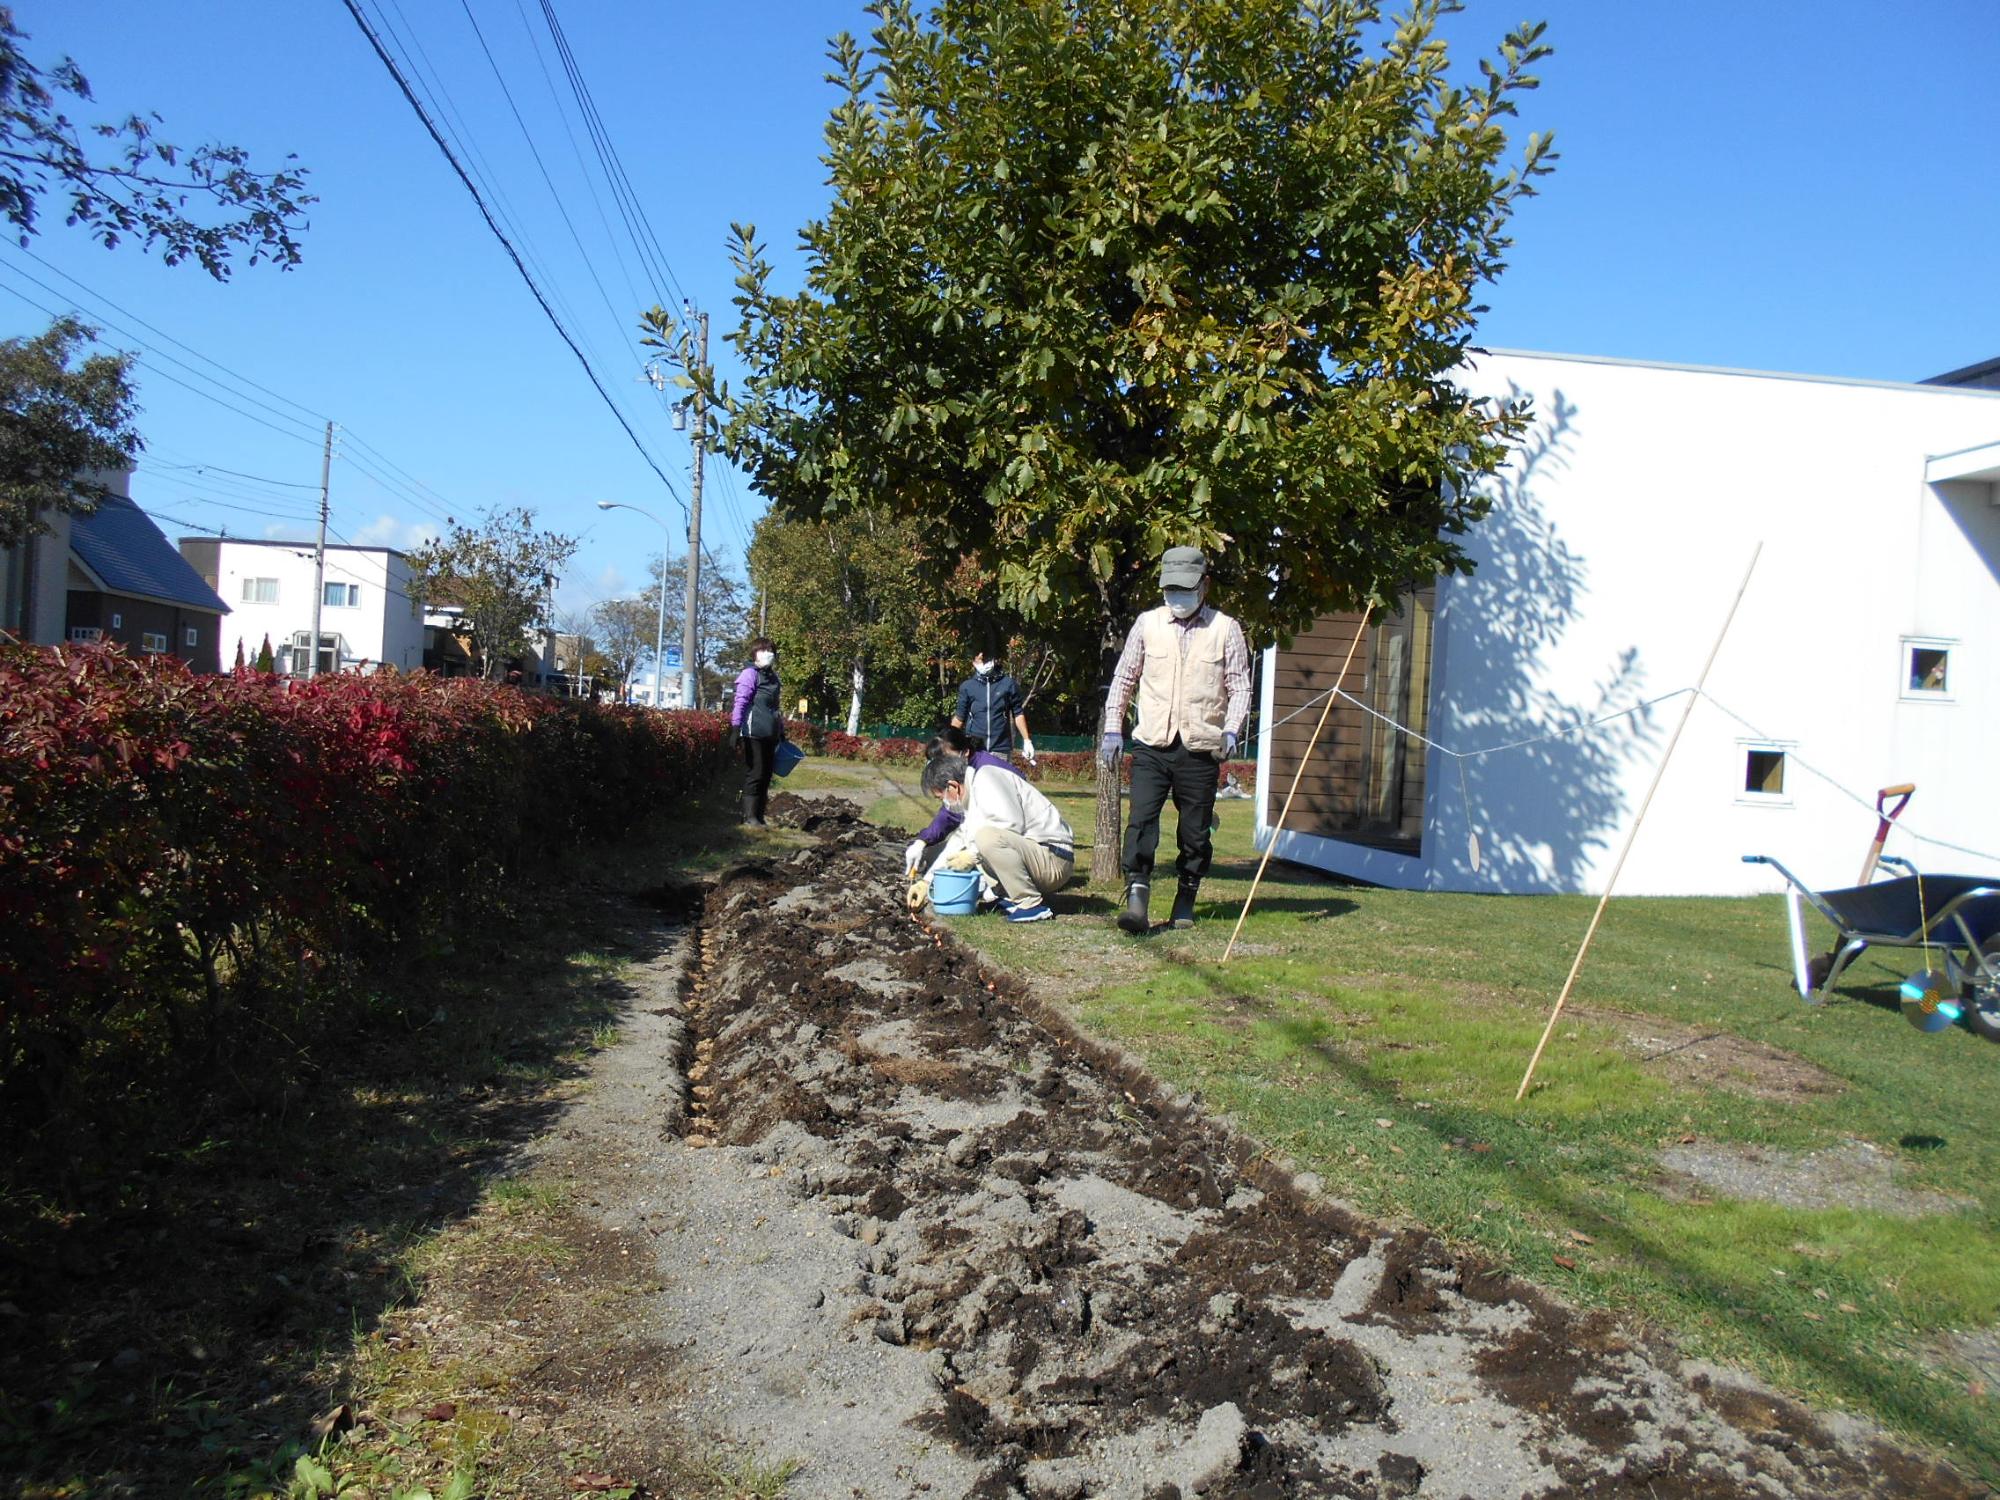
(350, 595)
(190, 636)
(252, 591)
(84, 634)
(153, 642)
(1914, 643)
(1744, 749)
(117, 622)
(330, 647)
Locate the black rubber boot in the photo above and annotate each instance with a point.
(763, 805)
(1135, 917)
(752, 816)
(1184, 903)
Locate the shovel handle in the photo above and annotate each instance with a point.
(1900, 789)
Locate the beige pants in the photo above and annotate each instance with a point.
(1025, 869)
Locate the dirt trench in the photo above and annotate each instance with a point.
(975, 1253)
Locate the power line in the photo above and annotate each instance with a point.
(289, 484)
(541, 166)
(162, 354)
(614, 169)
(92, 292)
(576, 151)
(513, 255)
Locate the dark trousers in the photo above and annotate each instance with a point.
(758, 756)
(1190, 776)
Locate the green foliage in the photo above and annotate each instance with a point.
(500, 572)
(1106, 276)
(63, 423)
(208, 203)
(848, 596)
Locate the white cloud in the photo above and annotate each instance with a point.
(390, 531)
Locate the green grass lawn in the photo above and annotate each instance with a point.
(1377, 1037)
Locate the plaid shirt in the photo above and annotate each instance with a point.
(1235, 671)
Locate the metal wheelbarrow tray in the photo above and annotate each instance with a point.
(1957, 917)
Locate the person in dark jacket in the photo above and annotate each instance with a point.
(991, 710)
(760, 724)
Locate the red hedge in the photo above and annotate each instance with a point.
(169, 842)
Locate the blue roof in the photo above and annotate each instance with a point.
(119, 544)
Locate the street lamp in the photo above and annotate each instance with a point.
(660, 636)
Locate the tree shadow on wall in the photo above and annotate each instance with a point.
(1542, 811)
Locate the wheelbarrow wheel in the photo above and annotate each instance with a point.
(1982, 1009)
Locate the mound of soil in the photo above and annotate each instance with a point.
(1053, 1278)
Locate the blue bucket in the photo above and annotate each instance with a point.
(954, 893)
(788, 756)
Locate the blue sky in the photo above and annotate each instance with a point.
(1789, 186)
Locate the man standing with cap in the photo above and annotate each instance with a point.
(1190, 666)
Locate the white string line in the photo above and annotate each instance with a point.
(1791, 756)
(1554, 734)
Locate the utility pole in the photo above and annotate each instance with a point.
(689, 675)
(319, 552)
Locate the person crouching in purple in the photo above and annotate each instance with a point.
(924, 847)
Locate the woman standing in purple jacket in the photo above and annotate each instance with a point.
(759, 724)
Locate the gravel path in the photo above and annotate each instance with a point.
(916, 1234)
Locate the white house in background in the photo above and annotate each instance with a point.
(1866, 651)
(366, 617)
(646, 689)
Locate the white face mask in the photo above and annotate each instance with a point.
(765, 658)
(954, 804)
(1183, 602)
(983, 668)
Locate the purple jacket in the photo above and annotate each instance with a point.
(746, 685)
(946, 820)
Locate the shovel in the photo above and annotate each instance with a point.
(1901, 792)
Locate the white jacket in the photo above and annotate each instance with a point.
(1000, 799)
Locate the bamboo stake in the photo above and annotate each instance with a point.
(1359, 631)
(1632, 833)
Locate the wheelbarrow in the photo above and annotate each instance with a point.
(1954, 918)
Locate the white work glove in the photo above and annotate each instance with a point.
(1028, 750)
(1108, 749)
(914, 855)
(1228, 744)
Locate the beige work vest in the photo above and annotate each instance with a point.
(1182, 692)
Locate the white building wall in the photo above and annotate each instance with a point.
(1606, 569)
(380, 628)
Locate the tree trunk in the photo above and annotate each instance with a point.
(858, 679)
(1106, 846)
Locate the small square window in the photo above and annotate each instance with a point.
(1929, 669)
(191, 636)
(1764, 773)
(117, 622)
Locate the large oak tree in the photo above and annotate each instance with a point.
(1101, 277)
